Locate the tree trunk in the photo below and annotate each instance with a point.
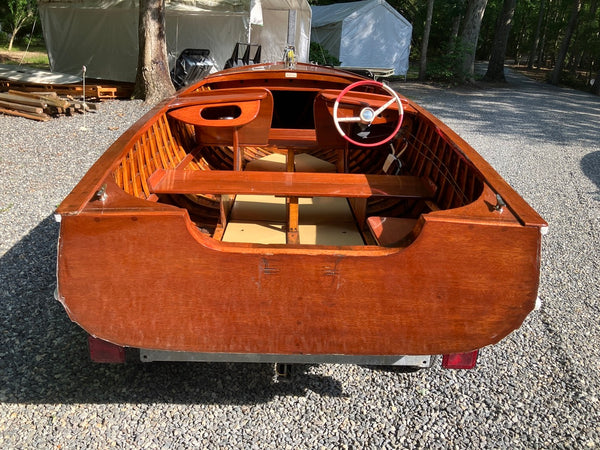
(495, 70)
(469, 38)
(536, 39)
(18, 21)
(12, 38)
(454, 33)
(153, 81)
(425, 42)
(457, 18)
(596, 86)
(564, 46)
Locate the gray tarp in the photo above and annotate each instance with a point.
(367, 33)
(102, 34)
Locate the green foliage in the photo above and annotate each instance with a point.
(20, 11)
(446, 65)
(16, 16)
(583, 56)
(321, 56)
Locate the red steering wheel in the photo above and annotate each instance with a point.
(368, 114)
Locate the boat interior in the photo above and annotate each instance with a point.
(260, 161)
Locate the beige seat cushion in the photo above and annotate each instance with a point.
(309, 163)
(274, 162)
(259, 232)
(330, 234)
(250, 208)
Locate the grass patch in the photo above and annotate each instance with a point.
(36, 56)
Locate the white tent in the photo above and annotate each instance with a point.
(367, 33)
(102, 34)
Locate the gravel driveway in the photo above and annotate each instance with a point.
(538, 388)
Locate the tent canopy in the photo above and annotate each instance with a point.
(102, 34)
(367, 33)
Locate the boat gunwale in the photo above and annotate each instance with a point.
(517, 205)
(92, 181)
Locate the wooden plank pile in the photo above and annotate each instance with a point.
(40, 106)
(112, 90)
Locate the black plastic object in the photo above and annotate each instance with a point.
(192, 65)
(245, 60)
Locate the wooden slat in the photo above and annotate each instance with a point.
(51, 98)
(148, 155)
(143, 169)
(165, 142)
(37, 102)
(295, 184)
(178, 150)
(40, 117)
(22, 107)
(134, 172)
(154, 137)
(126, 176)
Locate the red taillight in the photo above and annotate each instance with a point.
(105, 352)
(460, 360)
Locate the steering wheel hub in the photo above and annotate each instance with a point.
(367, 115)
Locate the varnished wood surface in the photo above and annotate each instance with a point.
(140, 273)
(145, 281)
(247, 100)
(388, 231)
(290, 184)
(519, 207)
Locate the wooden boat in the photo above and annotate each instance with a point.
(302, 214)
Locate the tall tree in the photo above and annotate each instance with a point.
(564, 46)
(153, 82)
(469, 37)
(536, 39)
(495, 70)
(425, 41)
(596, 86)
(20, 12)
(455, 11)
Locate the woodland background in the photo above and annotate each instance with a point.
(557, 40)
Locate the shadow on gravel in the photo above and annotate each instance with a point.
(43, 355)
(590, 165)
(519, 109)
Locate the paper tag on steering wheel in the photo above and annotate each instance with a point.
(389, 161)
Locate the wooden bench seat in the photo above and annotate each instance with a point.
(288, 184)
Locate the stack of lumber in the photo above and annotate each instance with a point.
(107, 91)
(40, 105)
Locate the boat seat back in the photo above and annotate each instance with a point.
(239, 116)
(325, 130)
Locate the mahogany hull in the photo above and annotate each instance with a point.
(180, 293)
(148, 268)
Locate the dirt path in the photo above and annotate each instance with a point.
(16, 56)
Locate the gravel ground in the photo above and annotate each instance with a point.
(538, 388)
